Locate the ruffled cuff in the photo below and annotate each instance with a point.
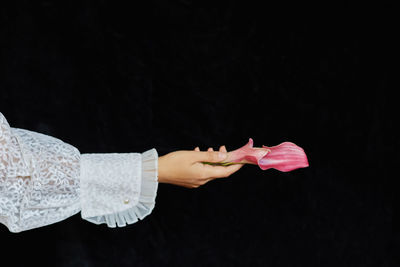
(149, 185)
(143, 203)
(148, 192)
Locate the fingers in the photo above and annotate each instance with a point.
(221, 148)
(221, 171)
(210, 156)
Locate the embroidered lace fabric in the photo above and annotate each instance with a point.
(44, 180)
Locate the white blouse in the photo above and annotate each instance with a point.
(44, 180)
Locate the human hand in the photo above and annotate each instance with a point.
(185, 167)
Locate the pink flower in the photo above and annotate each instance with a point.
(285, 157)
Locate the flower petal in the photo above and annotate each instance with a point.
(248, 154)
(284, 157)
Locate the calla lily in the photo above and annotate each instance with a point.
(284, 157)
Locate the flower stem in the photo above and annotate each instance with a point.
(221, 163)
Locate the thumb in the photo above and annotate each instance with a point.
(211, 156)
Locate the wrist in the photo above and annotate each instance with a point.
(160, 168)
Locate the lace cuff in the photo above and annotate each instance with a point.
(118, 188)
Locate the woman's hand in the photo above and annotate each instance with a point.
(185, 167)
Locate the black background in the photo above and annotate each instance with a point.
(108, 77)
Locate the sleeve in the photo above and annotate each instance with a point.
(44, 180)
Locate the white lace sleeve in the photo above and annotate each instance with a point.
(44, 180)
